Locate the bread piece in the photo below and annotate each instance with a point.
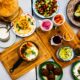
(8, 7)
(13, 17)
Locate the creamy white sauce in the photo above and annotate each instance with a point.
(76, 70)
(3, 33)
(32, 56)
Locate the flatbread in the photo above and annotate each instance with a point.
(13, 17)
(8, 7)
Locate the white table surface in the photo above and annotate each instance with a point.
(26, 6)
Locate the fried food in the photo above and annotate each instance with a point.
(50, 67)
(45, 72)
(51, 76)
(57, 71)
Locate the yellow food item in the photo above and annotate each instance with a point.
(24, 24)
(67, 36)
(66, 53)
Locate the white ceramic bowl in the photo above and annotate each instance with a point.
(43, 29)
(4, 36)
(56, 24)
(54, 44)
(28, 34)
(72, 37)
(41, 16)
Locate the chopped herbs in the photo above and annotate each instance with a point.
(33, 52)
(17, 26)
(32, 23)
(29, 19)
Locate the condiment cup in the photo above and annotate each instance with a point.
(45, 26)
(55, 23)
(6, 38)
(56, 44)
(66, 36)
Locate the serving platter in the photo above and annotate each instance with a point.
(10, 55)
(46, 36)
(70, 12)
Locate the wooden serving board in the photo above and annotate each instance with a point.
(46, 36)
(10, 56)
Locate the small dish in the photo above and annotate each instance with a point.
(9, 42)
(65, 53)
(4, 35)
(67, 36)
(56, 40)
(24, 26)
(46, 25)
(58, 19)
(50, 71)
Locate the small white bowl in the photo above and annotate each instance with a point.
(72, 37)
(54, 44)
(56, 24)
(4, 36)
(43, 29)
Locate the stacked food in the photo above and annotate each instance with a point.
(9, 9)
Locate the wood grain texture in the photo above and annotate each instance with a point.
(10, 56)
(46, 36)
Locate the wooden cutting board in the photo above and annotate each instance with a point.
(10, 56)
(46, 36)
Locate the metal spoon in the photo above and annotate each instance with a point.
(10, 27)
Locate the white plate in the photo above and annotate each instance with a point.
(9, 42)
(28, 34)
(34, 9)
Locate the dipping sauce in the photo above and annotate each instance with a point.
(58, 19)
(4, 35)
(56, 40)
(46, 25)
